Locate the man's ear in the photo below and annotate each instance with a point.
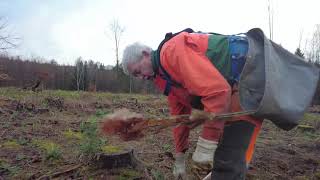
(145, 53)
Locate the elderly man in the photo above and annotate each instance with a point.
(201, 70)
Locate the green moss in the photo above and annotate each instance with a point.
(128, 174)
(311, 135)
(317, 175)
(305, 128)
(11, 144)
(18, 94)
(14, 93)
(6, 167)
(109, 149)
(64, 94)
(100, 113)
(310, 117)
(73, 135)
(52, 150)
(301, 178)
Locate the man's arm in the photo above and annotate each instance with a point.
(178, 100)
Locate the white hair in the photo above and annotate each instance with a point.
(133, 54)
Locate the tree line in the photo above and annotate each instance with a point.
(84, 75)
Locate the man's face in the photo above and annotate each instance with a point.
(142, 69)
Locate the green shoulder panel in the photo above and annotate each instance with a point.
(218, 53)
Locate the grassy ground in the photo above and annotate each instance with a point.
(55, 134)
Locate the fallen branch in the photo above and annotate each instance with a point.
(56, 174)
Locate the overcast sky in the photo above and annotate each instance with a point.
(66, 29)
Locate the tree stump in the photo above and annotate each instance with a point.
(121, 159)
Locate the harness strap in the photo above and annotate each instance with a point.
(165, 75)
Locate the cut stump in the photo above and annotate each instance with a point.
(121, 159)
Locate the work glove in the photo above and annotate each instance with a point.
(203, 157)
(204, 151)
(179, 169)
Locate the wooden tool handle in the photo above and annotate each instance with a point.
(185, 118)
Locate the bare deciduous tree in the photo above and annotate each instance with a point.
(117, 32)
(313, 55)
(313, 52)
(79, 73)
(298, 51)
(270, 13)
(7, 41)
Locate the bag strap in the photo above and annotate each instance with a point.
(166, 76)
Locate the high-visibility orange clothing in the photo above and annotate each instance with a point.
(184, 58)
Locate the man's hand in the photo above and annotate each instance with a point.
(201, 115)
(204, 152)
(179, 169)
(203, 156)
